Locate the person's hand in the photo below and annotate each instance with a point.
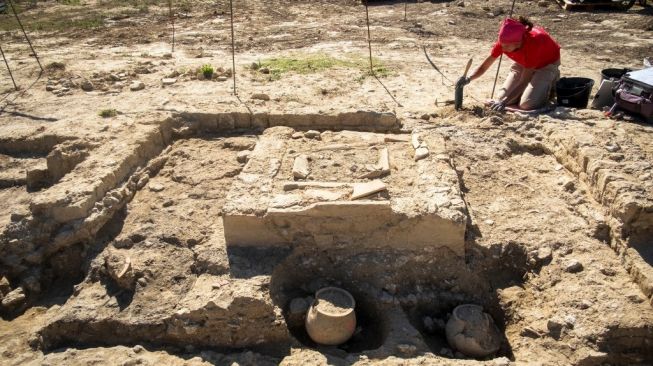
(462, 81)
(498, 105)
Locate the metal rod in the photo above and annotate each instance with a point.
(233, 46)
(8, 69)
(369, 37)
(496, 77)
(25, 33)
(172, 19)
(405, 10)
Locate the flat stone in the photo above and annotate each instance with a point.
(300, 169)
(421, 153)
(323, 195)
(396, 138)
(261, 96)
(384, 161)
(137, 85)
(14, 299)
(285, 200)
(365, 189)
(168, 81)
(312, 134)
(372, 171)
(156, 187)
(297, 135)
(415, 141)
(289, 186)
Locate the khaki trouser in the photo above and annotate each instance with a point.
(530, 88)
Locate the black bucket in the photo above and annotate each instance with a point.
(614, 74)
(574, 92)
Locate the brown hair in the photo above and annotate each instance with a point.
(525, 21)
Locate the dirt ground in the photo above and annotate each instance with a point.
(118, 164)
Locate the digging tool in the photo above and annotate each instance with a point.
(458, 99)
(435, 67)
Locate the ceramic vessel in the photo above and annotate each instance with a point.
(331, 325)
(472, 331)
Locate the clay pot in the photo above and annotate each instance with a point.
(331, 319)
(472, 331)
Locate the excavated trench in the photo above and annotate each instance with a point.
(403, 296)
(392, 288)
(394, 292)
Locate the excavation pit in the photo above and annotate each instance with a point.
(431, 318)
(355, 189)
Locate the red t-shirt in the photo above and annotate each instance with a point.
(537, 51)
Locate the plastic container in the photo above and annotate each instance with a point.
(614, 74)
(331, 319)
(574, 92)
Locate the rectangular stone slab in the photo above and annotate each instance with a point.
(266, 209)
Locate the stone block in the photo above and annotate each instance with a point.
(226, 121)
(38, 177)
(300, 169)
(271, 209)
(242, 120)
(260, 120)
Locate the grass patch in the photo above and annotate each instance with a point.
(380, 70)
(307, 64)
(207, 71)
(108, 113)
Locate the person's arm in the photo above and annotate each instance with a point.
(462, 81)
(482, 68)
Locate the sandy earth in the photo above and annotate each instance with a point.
(119, 244)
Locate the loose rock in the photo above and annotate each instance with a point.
(14, 299)
(312, 134)
(168, 81)
(261, 96)
(573, 266)
(137, 85)
(87, 85)
(5, 287)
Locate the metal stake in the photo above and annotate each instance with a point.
(25, 33)
(8, 69)
(369, 37)
(172, 19)
(405, 10)
(233, 46)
